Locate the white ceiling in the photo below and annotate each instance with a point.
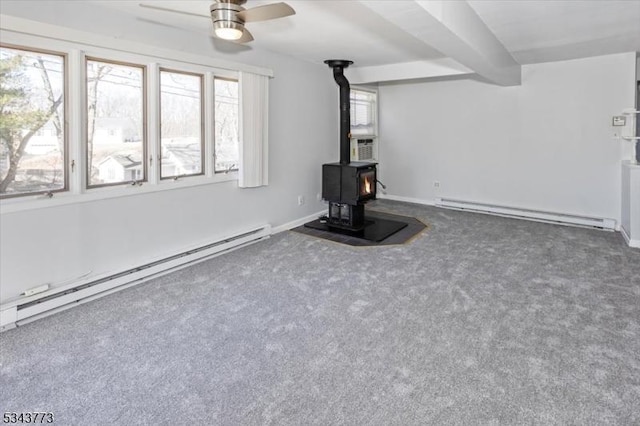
(542, 31)
(531, 30)
(319, 30)
(389, 40)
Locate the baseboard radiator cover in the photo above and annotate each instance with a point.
(29, 309)
(528, 214)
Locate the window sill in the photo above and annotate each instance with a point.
(41, 201)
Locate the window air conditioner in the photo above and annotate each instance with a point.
(362, 149)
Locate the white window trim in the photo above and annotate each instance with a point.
(86, 56)
(375, 111)
(376, 128)
(203, 113)
(212, 92)
(41, 201)
(77, 45)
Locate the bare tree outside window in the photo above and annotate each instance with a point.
(227, 125)
(115, 123)
(32, 138)
(181, 141)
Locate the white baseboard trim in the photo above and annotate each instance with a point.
(27, 309)
(405, 199)
(627, 238)
(298, 222)
(528, 214)
(515, 212)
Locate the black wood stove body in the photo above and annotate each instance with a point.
(347, 187)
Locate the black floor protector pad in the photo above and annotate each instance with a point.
(382, 229)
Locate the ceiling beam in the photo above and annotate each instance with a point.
(456, 30)
(435, 68)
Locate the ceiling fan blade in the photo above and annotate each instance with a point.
(246, 37)
(266, 12)
(166, 9)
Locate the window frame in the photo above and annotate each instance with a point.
(234, 169)
(85, 118)
(374, 111)
(75, 45)
(203, 144)
(66, 169)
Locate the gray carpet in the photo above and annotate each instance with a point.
(479, 320)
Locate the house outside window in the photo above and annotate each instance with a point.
(115, 112)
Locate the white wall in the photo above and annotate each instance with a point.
(546, 144)
(57, 244)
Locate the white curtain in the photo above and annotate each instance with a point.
(254, 130)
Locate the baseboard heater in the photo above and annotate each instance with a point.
(528, 214)
(28, 309)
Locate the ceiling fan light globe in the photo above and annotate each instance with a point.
(228, 30)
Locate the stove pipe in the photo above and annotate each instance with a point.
(338, 66)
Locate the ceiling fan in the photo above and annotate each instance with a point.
(229, 17)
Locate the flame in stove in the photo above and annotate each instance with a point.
(367, 185)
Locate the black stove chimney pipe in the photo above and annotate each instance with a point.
(338, 66)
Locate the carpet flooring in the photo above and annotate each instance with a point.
(478, 320)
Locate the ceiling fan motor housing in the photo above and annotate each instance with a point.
(229, 18)
(224, 15)
(238, 2)
(227, 12)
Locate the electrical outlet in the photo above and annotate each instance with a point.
(319, 196)
(300, 200)
(436, 184)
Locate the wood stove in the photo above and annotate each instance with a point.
(347, 185)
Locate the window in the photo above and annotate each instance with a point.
(32, 89)
(93, 138)
(181, 123)
(227, 127)
(115, 122)
(363, 112)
